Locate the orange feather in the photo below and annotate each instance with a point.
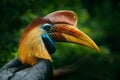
(31, 46)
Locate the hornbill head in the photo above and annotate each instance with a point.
(39, 37)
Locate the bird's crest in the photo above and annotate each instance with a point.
(63, 16)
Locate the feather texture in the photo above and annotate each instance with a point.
(33, 48)
(32, 25)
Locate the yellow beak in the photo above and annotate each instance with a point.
(69, 33)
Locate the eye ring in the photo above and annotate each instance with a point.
(46, 26)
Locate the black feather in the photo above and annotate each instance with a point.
(15, 70)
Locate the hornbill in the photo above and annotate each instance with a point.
(38, 42)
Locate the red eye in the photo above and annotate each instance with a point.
(47, 27)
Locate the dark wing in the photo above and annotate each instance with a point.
(15, 70)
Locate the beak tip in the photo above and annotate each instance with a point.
(97, 49)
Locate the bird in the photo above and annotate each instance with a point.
(37, 44)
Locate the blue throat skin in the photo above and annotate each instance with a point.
(49, 43)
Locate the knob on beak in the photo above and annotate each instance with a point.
(69, 33)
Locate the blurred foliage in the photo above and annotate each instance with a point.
(97, 18)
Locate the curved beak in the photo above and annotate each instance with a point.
(69, 33)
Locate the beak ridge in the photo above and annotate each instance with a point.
(69, 33)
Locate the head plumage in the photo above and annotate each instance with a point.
(31, 45)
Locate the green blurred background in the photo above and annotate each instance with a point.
(100, 19)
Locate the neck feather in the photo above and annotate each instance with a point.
(32, 48)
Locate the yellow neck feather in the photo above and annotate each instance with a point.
(32, 47)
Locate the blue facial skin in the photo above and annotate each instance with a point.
(49, 43)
